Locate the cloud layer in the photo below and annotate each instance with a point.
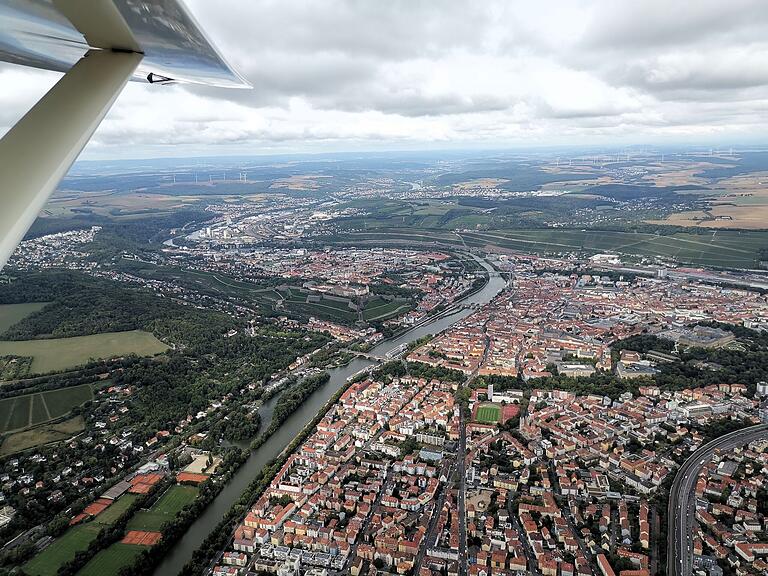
(353, 74)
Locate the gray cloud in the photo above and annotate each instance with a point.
(633, 27)
(355, 72)
(676, 50)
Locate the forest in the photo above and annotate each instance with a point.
(186, 382)
(82, 305)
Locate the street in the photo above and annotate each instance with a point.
(682, 501)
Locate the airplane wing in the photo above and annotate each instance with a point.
(54, 35)
(99, 45)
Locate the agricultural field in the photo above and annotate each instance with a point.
(61, 353)
(164, 509)
(488, 414)
(424, 213)
(111, 560)
(399, 236)
(10, 314)
(739, 201)
(32, 409)
(717, 248)
(69, 203)
(62, 550)
(115, 511)
(720, 248)
(46, 434)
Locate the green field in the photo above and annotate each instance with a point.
(399, 237)
(32, 409)
(12, 313)
(488, 414)
(110, 561)
(46, 434)
(62, 353)
(116, 510)
(209, 283)
(720, 248)
(164, 509)
(380, 309)
(326, 308)
(62, 550)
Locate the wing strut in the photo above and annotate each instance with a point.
(37, 152)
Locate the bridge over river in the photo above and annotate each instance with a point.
(182, 551)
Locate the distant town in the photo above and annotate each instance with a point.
(404, 374)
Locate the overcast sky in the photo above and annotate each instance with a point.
(335, 75)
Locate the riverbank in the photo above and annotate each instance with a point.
(216, 541)
(182, 552)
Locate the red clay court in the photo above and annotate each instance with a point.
(141, 538)
(142, 483)
(97, 507)
(510, 411)
(191, 477)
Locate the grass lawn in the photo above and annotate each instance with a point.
(62, 550)
(110, 561)
(148, 521)
(164, 509)
(488, 414)
(380, 309)
(62, 353)
(113, 513)
(21, 412)
(12, 313)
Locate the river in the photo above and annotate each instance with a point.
(182, 551)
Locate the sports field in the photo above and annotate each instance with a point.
(116, 510)
(62, 353)
(164, 510)
(141, 538)
(12, 313)
(62, 550)
(488, 414)
(110, 561)
(32, 409)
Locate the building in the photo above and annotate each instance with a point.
(6, 515)
(699, 337)
(572, 369)
(635, 370)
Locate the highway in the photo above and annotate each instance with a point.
(682, 498)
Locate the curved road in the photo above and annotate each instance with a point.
(682, 497)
